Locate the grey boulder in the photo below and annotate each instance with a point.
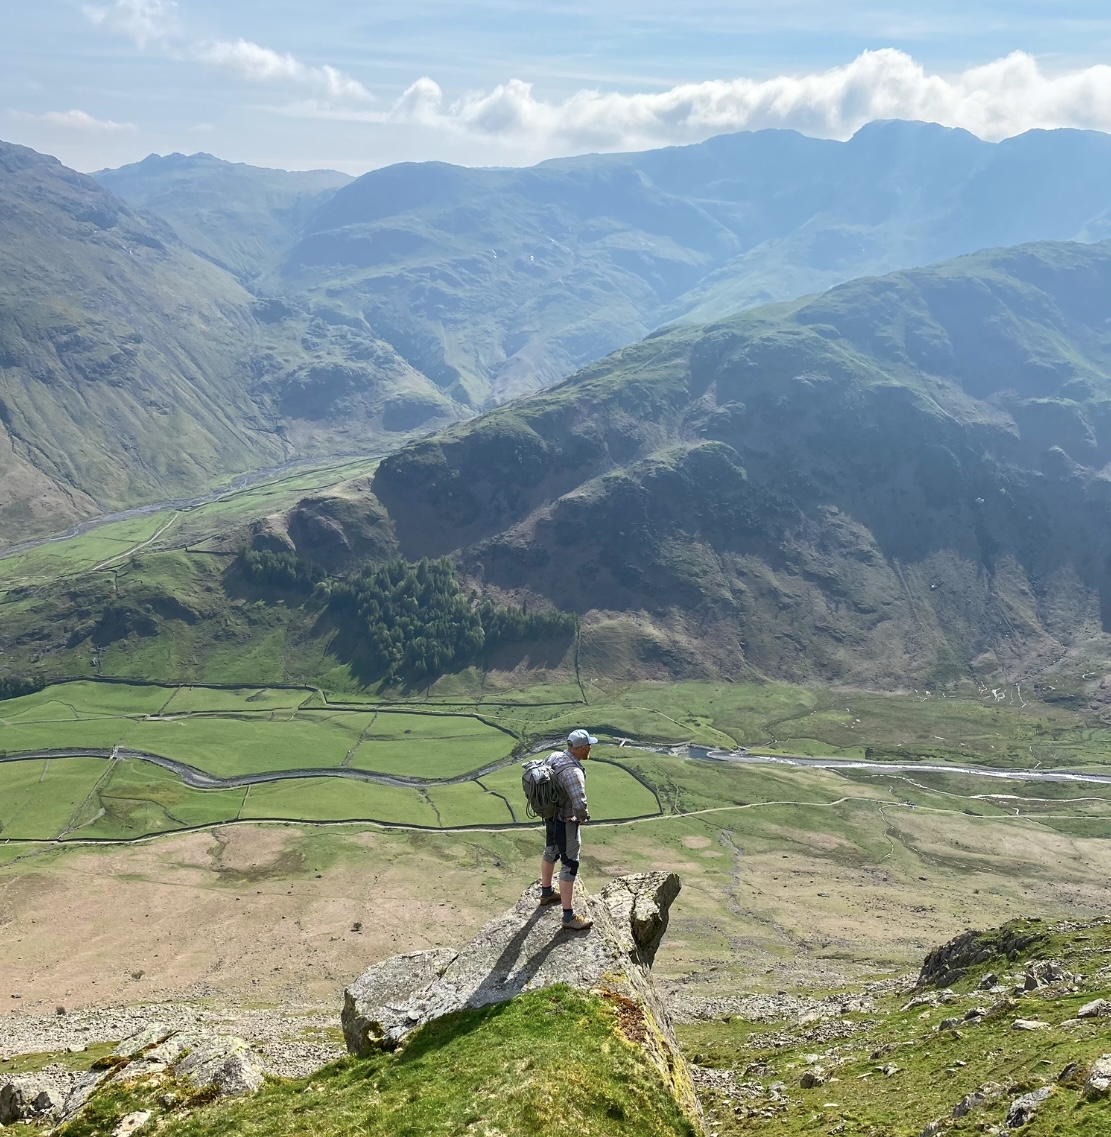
(522, 950)
(30, 1097)
(1099, 1078)
(1022, 1109)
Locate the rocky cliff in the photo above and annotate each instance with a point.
(527, 950)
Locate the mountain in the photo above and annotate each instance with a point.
(900, 482)
(496, 282)
(131, 368)
(240, 217)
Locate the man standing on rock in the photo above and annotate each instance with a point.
(561, 833)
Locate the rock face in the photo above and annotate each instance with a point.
(526, 949)
(1099, 1078)
(1024, 1108)
(29, 1098)
(949, 963)
(224, 1064)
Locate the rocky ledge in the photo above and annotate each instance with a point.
(524, 950)
(207, 1065)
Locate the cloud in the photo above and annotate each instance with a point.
(144, 21)
(259, 64)
(997, 100)
(79, 121)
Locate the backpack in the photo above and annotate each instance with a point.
(542, 792)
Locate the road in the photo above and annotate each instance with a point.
(201, 780)
(743, 758)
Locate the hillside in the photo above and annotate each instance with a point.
(497, 282)
(133, 369)
(237, 216)
(893, 483)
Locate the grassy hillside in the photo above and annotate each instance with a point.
(512, 1068)
(898, 482)
(132, 369)
(948, 1056)
(497, 282)
(237, 216)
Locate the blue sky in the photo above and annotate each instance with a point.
(358, 85)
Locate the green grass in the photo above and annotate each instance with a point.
(74, 734)
(38, 799)
(469, 804)
(248, 700)
(935, 1068)
(77, 555)
(135, 799)
(229, 746)
(254, 730)
(333, 799)
(548, 1061)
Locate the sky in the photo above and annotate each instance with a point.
(353, 86)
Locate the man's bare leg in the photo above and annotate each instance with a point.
(546, 871)
(566, 894)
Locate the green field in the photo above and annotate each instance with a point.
(333, 799)
(258, 730)
(114, 541)
(80, 554)
(40, 799)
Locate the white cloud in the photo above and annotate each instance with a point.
(259, 64)
(144, 21)
(997, 100)
(79, 121)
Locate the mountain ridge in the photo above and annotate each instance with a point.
(895, 481)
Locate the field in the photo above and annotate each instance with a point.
(114, 541)
(453, 764)
(245, 734)
(793, 877)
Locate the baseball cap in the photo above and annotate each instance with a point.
(581, 738)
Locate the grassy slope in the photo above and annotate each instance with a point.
(107, 319)
(552, 1058)
(134, 369)
(933, 1068)
(868, 487)
(239, 217)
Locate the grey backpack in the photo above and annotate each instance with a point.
(542, 794)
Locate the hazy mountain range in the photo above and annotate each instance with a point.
(494, 282)
(169, 324)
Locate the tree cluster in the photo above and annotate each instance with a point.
(15, 686)
(417, 623)
(279, 570)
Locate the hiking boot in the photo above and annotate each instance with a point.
(577, 924)
(553, 899)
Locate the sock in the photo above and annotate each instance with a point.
(546, 891)
(568, 915)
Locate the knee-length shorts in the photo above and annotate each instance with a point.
(562, 844)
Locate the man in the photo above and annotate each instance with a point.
(561, 833)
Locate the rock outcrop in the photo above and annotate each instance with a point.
(30, 1097)
(217, 1065)
(1099, 1078)
(526, 949)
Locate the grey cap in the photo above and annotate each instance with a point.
(580, 738)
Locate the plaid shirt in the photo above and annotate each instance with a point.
(571, 779)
